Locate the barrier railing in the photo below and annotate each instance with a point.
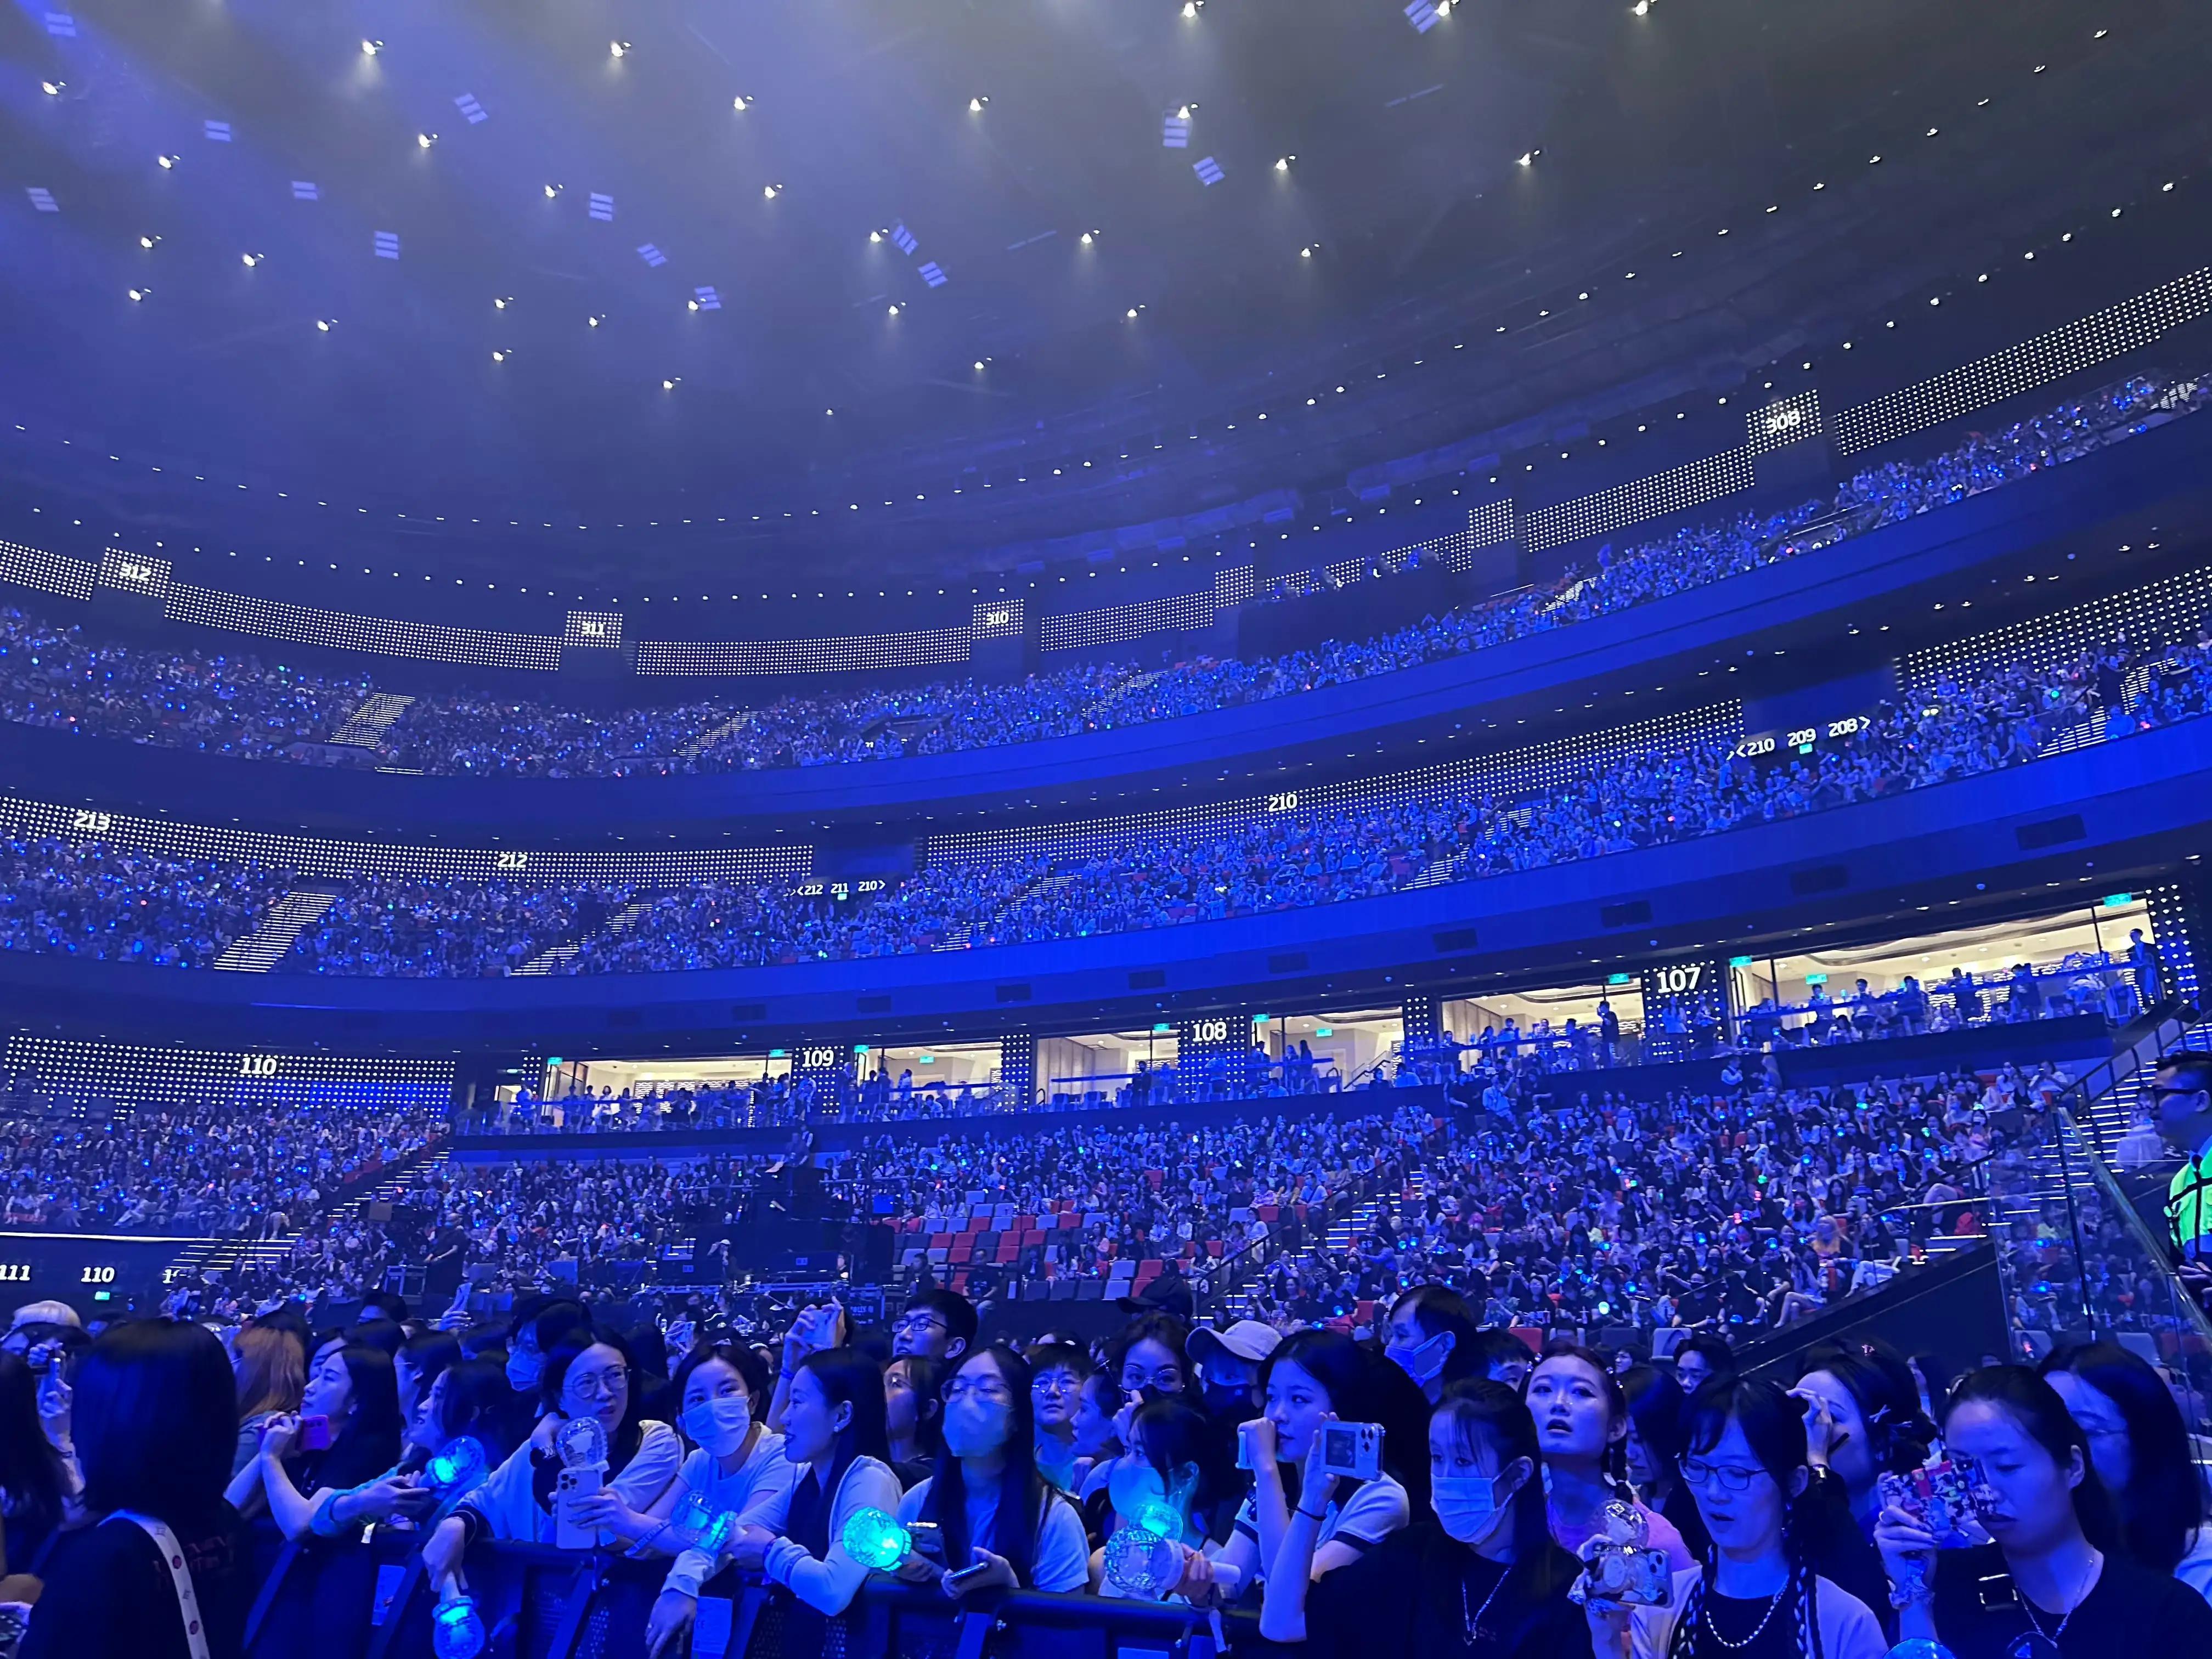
(373, 1600)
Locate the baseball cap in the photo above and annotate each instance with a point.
(1247, 1339)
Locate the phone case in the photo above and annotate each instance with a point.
(573, 1483)
(1945, 1496)
(1351, 1451)
(1629, 1574)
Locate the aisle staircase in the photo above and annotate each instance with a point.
(260, 951)
(1119, 692)
(559, 956)
(225, 1255)
(365, 727)
(959, 938)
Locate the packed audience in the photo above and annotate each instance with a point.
(239, 704)
(1312, 855)
(1588, 1500)
(221, 1170)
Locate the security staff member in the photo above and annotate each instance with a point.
(2180, 1101)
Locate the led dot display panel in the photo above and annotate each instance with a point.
(1505, 772)
(733, 658)
(599, 629)
(46, 573)
(1786, 421)
(134, 572)
(301, 624)
(997, 619)
(1116, 622)
(314, 857)
(1674, 490)
(2081, 345)
(145, 1077)
(2160, 612)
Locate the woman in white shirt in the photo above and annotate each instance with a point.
(737, 1469)
(993, 1509)
(1312, 1377)
(835, 1443)
(586, 1376)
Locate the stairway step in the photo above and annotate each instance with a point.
(617, 925)
(365, 727)
(260, 951)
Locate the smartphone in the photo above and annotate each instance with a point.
(954, 1580)
(1351, 1451)
(576, 1481)
(315, 1432)
(926, 1540)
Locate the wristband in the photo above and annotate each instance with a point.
(1310, 1516)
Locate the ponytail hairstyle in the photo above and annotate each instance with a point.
(1613, 1465)
(1774, 1428)
(1877, 1378)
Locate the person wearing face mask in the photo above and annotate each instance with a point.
(1172, 1464)
(737, 1466)
(539, 1322)
(2139, 1446)
(985, 1496)
(586, 1375)
(1582, 1424)
(835, 1443)
(1759, 1595)
(1432, 1337)
(2059, 1582)
(1229, 1363)
(1478, 1575)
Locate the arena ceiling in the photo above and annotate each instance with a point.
(603, 290)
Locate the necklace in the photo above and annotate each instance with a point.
(1472, 1622)
(1714, 1630)
(2035, 1624)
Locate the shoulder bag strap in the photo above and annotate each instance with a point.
(180, 1577)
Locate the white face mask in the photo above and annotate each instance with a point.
(720, 1425)
(1469, 1507)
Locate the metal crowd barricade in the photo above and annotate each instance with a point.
(539, 1602)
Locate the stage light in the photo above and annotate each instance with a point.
(769, 190)
(594, 321)
(52, 88)
(499, 356)
(617, 48)
(370, 48)
(741, 101)
(670, 385)
(137, 294)
(1089, 237)
(1183, 113)
(552, 191)
(322, 324)
(250, 260)
(1306, 253)
(147, 241)
(875, 236)
(976, 104)
(1133, 312)
(1190, 8)
(424, 140)
(1283, 163)
(167, 162)
(894, 311)
(499, 303)
(1642, 8)
(1529, 157)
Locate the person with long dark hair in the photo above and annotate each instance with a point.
(1480, 1574)
(585, 1374)
(271, 1361)
(1582, 1425)
(1863, 1420)
(1312, 1378)
(354, 1393)
(737, 1465)
(155, 1410)
(1174, 1462)
(2059, 1579)
(35, 1483)
(914, 1409)
(1758, 1594)
(992, 1507)
(833, 1436)
(2140, 1448)
(1654, 1448)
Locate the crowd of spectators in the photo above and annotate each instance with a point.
(220, 1171)
(238, 704)
(1956, 727)
(86, 898)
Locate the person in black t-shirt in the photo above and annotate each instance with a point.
(154, 1416)
(2058, 1583)
(1479, 1576)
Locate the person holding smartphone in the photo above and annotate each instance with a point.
(1478, 1572)
(1313, 1378)
(1002, 1525)
(327, 1466)
(2058, 1583)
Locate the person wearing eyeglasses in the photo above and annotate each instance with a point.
(586, 1376)
(936, 1324)
(2180, 1101)
(1758, 1596)
(994, 1510)
(1149, 1354)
